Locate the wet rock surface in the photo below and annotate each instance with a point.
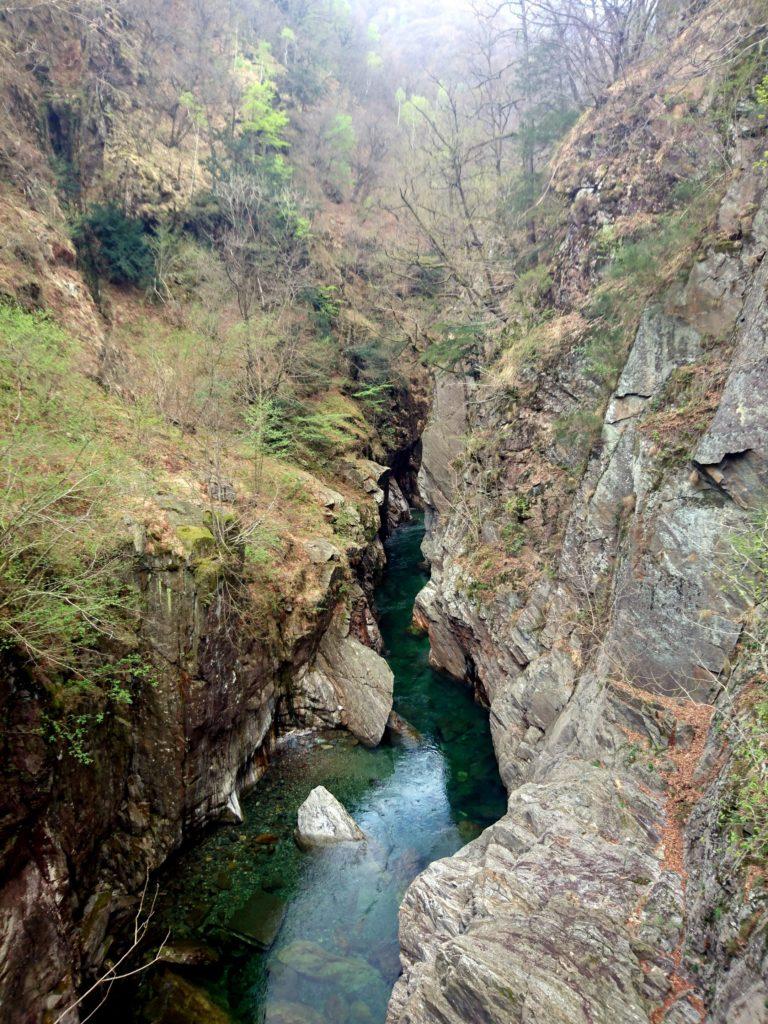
(258, 921)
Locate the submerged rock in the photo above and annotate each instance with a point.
(258, 921)
(323, 821)
(399, 726)
(291, 1013)
(350, 973)
(187, 953)
(177, 1001)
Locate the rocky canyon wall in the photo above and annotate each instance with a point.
(609, 644)
(230, 673)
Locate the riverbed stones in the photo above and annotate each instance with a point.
(309, 959)
(258, 921)
(323, 821)
(285, 1012)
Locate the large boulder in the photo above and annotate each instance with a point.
(323, 821)
(177, 1001)
(398, 509)
(258, 920)
(348, 685)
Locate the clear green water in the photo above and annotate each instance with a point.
(415, 800)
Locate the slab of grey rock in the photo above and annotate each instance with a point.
(320, 551)
(443, 440)
(663, 343)
(732, 452)
(398, 509)
(349, 684)
(323, 821)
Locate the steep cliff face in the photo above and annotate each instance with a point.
(240, 634)
(606, 636)
(230, 673)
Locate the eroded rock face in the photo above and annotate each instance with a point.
(323, 821)
(595, 899)
(347, 684)
(78, 842)
(398, 509)
(442, 442)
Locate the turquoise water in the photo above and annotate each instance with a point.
(335, 956)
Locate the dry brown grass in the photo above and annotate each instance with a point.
(538, 346)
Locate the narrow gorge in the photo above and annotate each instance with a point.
(383, 401)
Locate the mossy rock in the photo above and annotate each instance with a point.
(225, 521)
(207, 573)
(177, 1001)
(198, 541)
(350, 973)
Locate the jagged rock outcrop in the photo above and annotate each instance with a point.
(323, 821)
(347, 684)
(78, 840)
(599, 897)
(398, 509)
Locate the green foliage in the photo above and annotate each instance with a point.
(79, 708)
(285, 428)
(518, 510)
(261, 117)
(531, 287)
(412, 111)
(323, 300)
(338, 140)
(761, 99)
(112, 246)
(519, 507)
(194, 108)
(374, 396)
(513, 536)
(746, 816)
(639, 260)
(455, 344)
(262, 121)
(60, 593)
(738, 87)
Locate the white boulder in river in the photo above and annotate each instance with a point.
(323, 821)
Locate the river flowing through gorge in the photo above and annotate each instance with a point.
(329, 918)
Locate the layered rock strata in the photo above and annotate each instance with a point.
(610, 892)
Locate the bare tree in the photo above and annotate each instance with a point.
(117, 971)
